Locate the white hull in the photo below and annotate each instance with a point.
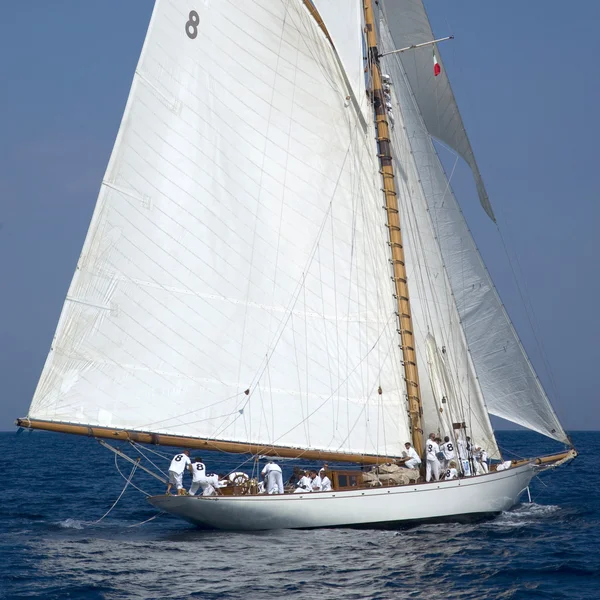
(473, 496)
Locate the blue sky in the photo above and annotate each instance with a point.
(525, 77)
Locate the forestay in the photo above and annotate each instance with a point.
(237, 243)
(409, 24)
(506, 377)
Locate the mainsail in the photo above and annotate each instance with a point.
(238, 243)
(236, 284)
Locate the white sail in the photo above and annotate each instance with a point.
(506, 377)
(450, 392)
(409, 24)
(238, 242)
(344, 21)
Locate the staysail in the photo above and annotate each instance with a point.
(504, 374)
(235, 280)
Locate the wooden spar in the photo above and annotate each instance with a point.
(143, 437)
(317, 17)
(411, 374)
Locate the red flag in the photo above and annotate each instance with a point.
(436, 66)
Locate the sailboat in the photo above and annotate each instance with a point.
(277, 265)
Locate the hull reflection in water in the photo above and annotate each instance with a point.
(475, 496)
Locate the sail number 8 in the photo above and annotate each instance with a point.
(191, 27)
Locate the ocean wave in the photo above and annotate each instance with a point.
(71, 524)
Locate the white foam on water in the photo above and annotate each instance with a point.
(526, 514)
(71, 524)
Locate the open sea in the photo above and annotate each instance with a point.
(55, 487)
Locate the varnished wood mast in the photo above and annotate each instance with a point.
(411, 374)
(143, 437)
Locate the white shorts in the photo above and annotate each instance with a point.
(176, 479)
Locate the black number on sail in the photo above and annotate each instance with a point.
(191, 27)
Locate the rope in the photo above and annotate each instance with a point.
(122, 491)
(147, 520)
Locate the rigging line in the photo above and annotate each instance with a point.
(300, 284)
(147, 520)
(148, 449)
(127, 482)
(331, 395)
(138, 449)
(531, 316)
(131, 482)
(192, 411)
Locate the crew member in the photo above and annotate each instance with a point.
(273, 478)
(176, 469)
(433, 464)
(325, 481)
(198, 471)
(410, 460)
(447, 449)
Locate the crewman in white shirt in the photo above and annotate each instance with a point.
(483, 459)
(451, 472)
(325, 481)
(315, 482)
(273, 478)
(410, 460)
(198, 471)
(447, 448)
(176, 470)
(304, 485)
(433, 464)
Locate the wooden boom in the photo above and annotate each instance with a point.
(204, 444)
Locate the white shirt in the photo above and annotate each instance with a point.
(316, 484)
(451, 474)
(484, 456)
(415, 459)
(305, 484)
(448, 450)
(179, 463)
(432, 449)
(270, 467)
(198, 471)
(325, 484)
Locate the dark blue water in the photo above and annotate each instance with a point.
(54, 486)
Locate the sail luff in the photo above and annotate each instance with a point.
(145, 437)
(406, 327)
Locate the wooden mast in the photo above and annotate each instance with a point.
(411, 374)
(144, 437)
